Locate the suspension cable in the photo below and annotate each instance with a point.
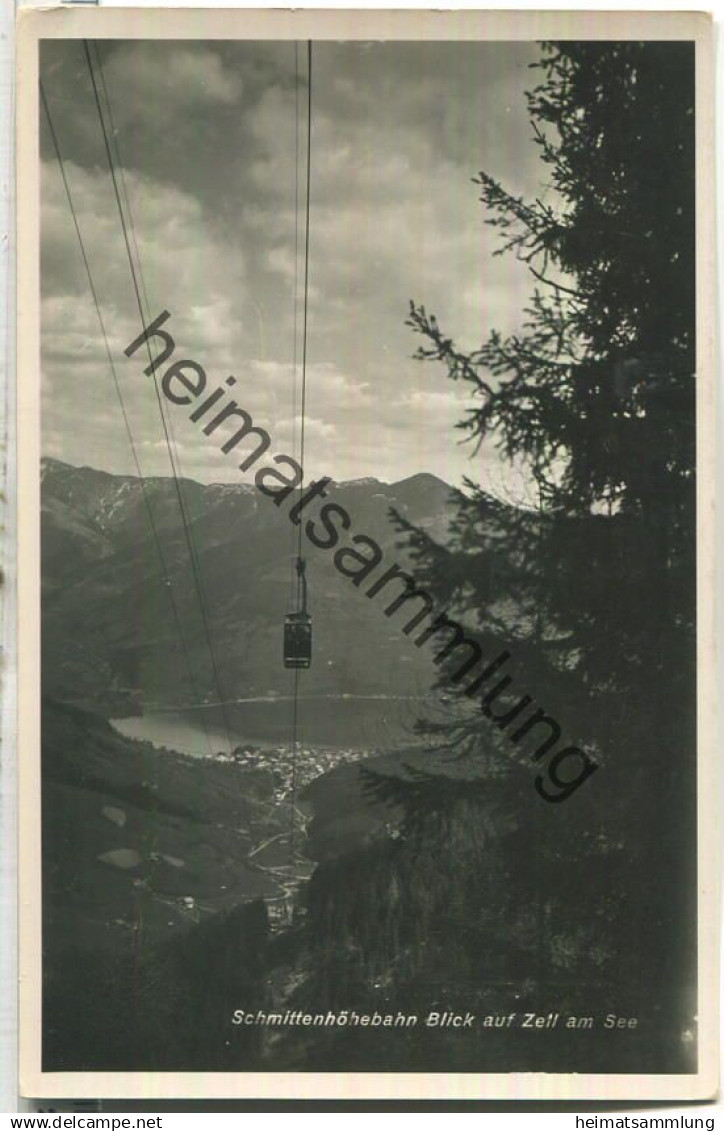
(293, 576)
(116, 384)
(301, 581)
(306, 274)
(116, 145)
(146, 308)
(179, 495)
(293, 579)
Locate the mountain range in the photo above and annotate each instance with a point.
(122, 623)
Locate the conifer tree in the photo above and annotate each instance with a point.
(595, 394)
(591, 585)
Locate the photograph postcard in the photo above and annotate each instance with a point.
(366, 526)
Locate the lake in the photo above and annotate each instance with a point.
(354, 722)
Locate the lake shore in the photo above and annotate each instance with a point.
(364, 724)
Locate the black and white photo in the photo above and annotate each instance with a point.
(367, 454)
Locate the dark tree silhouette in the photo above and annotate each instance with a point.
(592, 585)
(595, 395)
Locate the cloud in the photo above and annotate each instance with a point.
(206, 294)
(208, 134)
(181, 77)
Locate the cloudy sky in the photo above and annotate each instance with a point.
(206, 133)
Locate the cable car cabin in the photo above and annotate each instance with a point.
(297, 640)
